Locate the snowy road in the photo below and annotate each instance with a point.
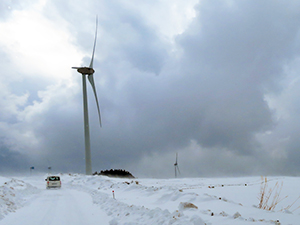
(61, 206)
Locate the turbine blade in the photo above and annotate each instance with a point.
(91, 80)
(75, 67)
(176, 156)
(92, 60)
(178, 169)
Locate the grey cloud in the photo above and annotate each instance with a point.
(234, 53)
(215, 92)
(143, 48)
(121, 28)
(11, 161)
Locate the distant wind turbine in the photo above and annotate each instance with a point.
(176, 166)
(88, 71)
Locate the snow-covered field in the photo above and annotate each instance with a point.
(91, 200)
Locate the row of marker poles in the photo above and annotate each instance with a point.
(32, 168)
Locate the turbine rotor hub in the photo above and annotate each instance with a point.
(86, 71)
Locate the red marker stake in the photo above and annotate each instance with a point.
(113, 192)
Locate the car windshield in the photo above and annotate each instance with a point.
(54, 178)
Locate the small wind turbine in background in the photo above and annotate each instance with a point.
(88, 71)
(176, 165)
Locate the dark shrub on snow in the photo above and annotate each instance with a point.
(115, 173)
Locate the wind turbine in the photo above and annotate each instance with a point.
(88, 71)
(176, 166)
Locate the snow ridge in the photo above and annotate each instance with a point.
(13, 194)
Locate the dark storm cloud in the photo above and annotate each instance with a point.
(216, 96)
(142, 47)
(11, 161)
(233, 54)
(135, 41)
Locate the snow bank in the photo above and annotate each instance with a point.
(13, 193)
(164, 201)
(100, 188)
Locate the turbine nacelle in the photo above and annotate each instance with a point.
(176, 166)
(84, 70)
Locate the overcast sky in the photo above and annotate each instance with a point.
(216, 81)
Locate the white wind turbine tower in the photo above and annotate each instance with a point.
(176, 166)
(88, 71)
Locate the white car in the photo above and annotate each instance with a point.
(53, 182)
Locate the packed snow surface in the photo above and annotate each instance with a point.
(94, 200)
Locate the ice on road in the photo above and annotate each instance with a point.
(59, 207)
